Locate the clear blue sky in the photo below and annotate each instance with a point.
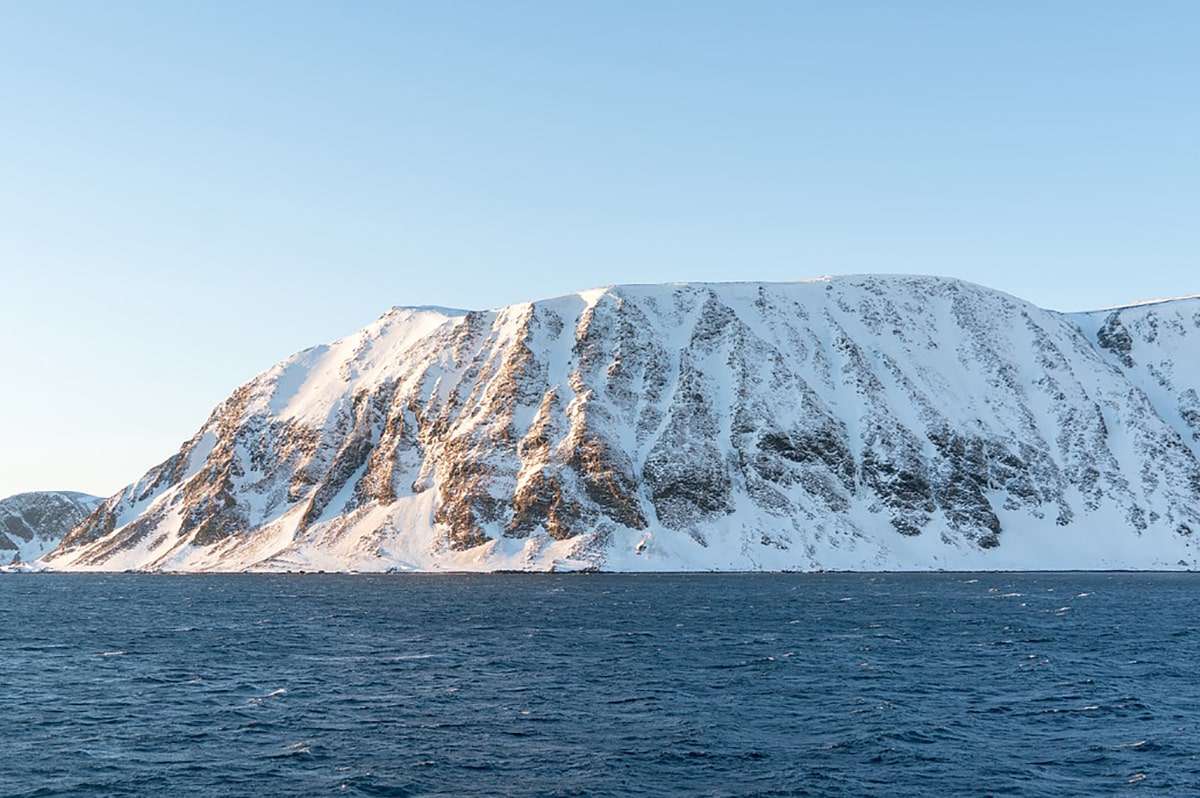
(191, 191)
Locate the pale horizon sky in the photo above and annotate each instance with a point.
(190, 192)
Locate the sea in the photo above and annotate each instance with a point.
(821, 684)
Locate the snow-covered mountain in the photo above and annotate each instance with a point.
(874, 422)
(32, 524)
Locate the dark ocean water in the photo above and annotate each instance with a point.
(806, 684)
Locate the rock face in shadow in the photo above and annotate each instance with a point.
(32, 524)
(868, 422)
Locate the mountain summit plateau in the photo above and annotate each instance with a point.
(867, 422)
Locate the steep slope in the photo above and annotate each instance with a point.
(855, 422)
(1157, 347)
(32, 524)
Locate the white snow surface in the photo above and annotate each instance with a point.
(864, 422)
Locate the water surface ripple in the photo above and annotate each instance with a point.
(558, 685)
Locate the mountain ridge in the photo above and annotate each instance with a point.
(865, 422)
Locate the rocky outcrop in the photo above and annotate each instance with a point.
(858, 422)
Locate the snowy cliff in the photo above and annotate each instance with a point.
(872, 422)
